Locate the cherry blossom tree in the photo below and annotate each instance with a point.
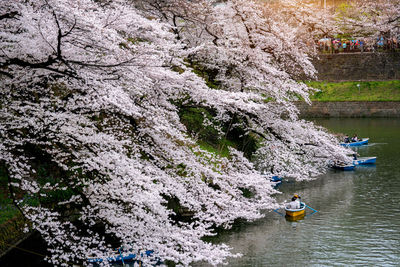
(254, 47)
(309, 18)
(371, 19)
(91, 135)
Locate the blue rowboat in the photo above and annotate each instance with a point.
(363, 141)
(119, 258)
(116, 258)
(276, 179)
(364, 160)
(344, 167)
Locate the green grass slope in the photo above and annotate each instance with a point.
(350, 91)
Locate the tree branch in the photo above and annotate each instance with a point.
(9, 15)
(9, 75)
(216, 38)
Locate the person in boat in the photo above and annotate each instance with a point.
(295, 203)
(346, 139)
(355, 138)
(355, 156)
(298, 199)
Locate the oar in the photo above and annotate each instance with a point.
(276, 210)
(122, 258)
(314, 211)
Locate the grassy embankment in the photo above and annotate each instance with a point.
(349, 91)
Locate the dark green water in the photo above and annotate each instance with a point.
(358, 223)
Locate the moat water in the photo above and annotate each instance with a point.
(358, 218)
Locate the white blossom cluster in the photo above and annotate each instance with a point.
(92, 139)
(370, 19)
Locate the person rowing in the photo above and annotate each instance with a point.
(295, 203)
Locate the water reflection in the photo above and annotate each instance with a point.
(295, 218)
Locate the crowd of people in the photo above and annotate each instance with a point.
(339, 45)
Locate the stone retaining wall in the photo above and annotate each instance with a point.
(349, 109)
(365, 66)
(11, 233)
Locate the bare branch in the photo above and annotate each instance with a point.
(10, 15)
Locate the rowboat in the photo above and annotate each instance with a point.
(276, 179)
(296, 212)
(344, 167)
(116, 258)
(364, 160)
(119, 258)
(363, 141)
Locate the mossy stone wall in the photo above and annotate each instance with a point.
(356, 109)
(367, 66)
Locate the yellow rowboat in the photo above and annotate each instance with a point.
(295, 219)
(296, 212)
